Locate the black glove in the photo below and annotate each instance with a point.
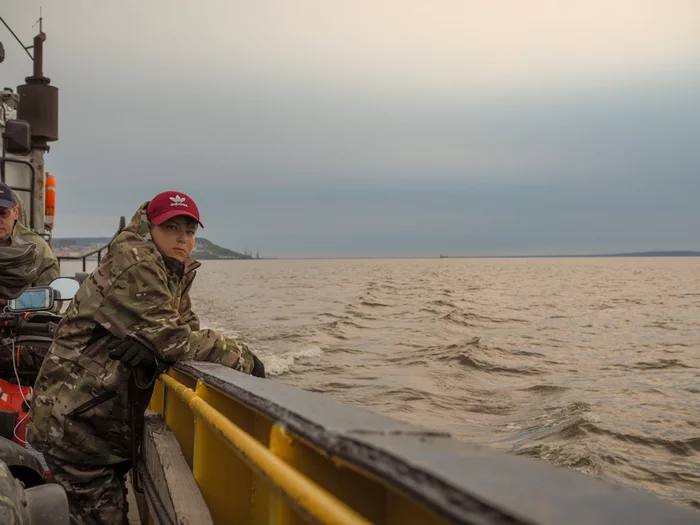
(258, 367)
(133, 354)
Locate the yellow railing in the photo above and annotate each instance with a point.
(265, 453)
(252, 469)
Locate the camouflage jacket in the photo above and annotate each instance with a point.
(47, 269)
(133, 293)
(10, 497)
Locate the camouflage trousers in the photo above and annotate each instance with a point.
(96, 494)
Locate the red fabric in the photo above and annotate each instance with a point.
(12, 400)
(170, 204)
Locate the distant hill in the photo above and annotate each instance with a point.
(204, 249)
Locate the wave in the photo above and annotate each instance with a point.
(430, 311)
(679, 447)
(560, 455)
(560, 422)
(470, 318)
(545, 389)
(527, 353)
(279, 364)
(223, 330)
(374, 304)
(343, 323)
(356, 312)
(475, 355)
(440, 302)
(328, 314)
(484, 366)
(655, 365)
(454, 318)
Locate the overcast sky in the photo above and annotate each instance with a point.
(379, 127)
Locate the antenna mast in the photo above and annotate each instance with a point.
(40, 21)
(41, 31)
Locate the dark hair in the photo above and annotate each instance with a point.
(189, 221)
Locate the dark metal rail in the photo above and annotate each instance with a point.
(84, 256)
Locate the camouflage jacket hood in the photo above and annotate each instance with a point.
(134, 293)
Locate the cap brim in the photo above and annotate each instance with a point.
(174, 213)
(6, 204)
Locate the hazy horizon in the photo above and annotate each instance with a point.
(379, 128)
(643, 253)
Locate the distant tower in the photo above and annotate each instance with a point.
(257, 253)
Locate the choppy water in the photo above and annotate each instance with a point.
(591, 364)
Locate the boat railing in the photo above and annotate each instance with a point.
(85, 256)
(96, 252)
(265, 452)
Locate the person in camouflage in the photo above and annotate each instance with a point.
(130, 315)
(14, 233)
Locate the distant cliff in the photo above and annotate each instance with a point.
(204, 249)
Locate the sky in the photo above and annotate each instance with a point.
(378, 128)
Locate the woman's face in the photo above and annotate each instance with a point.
(175, 237)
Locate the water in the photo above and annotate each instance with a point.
(589, 364)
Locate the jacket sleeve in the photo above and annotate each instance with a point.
(48, 271)
(138, 305)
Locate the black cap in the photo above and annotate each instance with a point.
(7, 199)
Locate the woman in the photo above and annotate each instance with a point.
(129, 319)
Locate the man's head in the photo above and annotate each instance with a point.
(174, 219)
(9, 212)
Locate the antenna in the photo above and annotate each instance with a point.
(26, 49)
(40, 21)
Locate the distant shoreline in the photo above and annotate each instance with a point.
(584, 256)
(206, 251)
(577, 256)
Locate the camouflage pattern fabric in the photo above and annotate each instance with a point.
(10, 511)
(97, 495)
(48, 268)
(80, 410)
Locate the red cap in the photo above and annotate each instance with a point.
(170, 204)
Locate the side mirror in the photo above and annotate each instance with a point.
(18, 136)
(65, 288)
(33, 299)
